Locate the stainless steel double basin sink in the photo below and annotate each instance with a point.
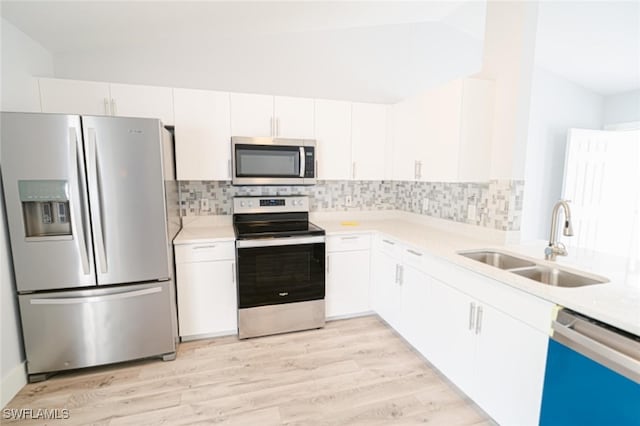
(542, 273)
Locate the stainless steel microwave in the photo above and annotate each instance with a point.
(273, 161)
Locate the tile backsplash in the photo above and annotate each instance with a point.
(497, 203)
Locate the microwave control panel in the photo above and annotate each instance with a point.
(309, 162)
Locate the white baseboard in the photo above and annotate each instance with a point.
(12, 382)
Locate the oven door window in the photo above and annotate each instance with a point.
(280, 274)
(267, 161)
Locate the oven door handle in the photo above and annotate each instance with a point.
(285, 241)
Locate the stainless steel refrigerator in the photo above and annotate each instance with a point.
(92, 211)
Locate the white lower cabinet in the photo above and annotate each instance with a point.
(487, 338)
(387, 291)
(511, 359)
(348, 275)
(206, 289)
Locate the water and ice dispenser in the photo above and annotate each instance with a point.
(45, 208)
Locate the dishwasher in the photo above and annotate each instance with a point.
(592, 375)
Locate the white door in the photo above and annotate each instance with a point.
(75, 97)
(510, 361)
(603, 183)
(333, 138)
(414, 322)
(407, 141)
(128, 100)
(294, 117)
(452, 343)
(441, 138)
(207, 301)
(202, 135)
(347, 290)
(387, 288)
(368, 141)
(252, 115)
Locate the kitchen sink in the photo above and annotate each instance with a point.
(497, 259)
(558, 277)
(545, 274)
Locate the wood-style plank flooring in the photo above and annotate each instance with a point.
(355, 371)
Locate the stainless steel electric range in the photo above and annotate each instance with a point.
(280, 265)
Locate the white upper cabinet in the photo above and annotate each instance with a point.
(252, 115)
(202, 135)
(333, 138)
(293, 117)
(445, 133)
(269, 116)
(368, 141)
(97, 98)
(129, 100)
(75, 97)
(476, 130)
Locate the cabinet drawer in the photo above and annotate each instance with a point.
(348, 242)
(205, 252)
(414, 257)
(389, 246)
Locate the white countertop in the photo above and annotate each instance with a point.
(205, 229)
(616, 302)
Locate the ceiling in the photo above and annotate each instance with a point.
(372, 51)
(362, 51)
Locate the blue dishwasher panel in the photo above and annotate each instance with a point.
(579, 391)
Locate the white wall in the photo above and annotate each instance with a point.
(622, 108)
(21, 58)
(557, 104)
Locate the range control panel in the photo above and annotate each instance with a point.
(271, 204)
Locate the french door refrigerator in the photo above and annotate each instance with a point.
(92, 211)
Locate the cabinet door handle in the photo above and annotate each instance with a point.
(277, 126)
(352, 237)
(273, 126)
(210, 246)
(389, 242)
(415, 253)
(397, 273)
(328, 263)
(106, 107)
(233, 272)
(353, 170)
(472, 315)
(479, 320)
(113, 107)
(401, 275)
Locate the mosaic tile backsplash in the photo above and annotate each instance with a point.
(497, 203)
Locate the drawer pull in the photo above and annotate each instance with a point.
(415, 253)
(353, 237)
(389, 242)
(284, 293)
(204, 247)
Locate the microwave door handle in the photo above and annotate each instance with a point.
(302, 161)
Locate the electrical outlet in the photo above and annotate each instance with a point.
(347, 200)
(425, 204)
(204, 204)
(471, 212)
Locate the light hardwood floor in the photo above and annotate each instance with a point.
(355, 371)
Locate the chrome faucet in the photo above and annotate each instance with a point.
(556, 248)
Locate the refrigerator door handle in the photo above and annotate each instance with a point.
(77, 229)
(93, 299)
(94, 172)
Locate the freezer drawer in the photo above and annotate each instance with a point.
(75, 329)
